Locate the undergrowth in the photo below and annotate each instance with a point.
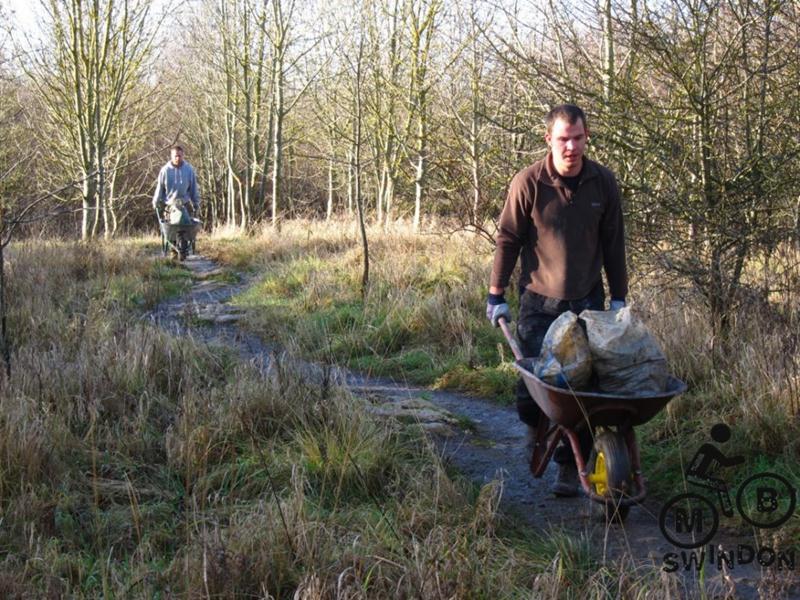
(422, 319)
(138, 464)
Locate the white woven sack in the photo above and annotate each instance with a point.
(625, 356)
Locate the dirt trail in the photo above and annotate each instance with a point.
(492, 446)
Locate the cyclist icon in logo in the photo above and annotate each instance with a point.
(705, 463)
(765, 500)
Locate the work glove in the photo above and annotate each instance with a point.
(616, 304)
(496, 307)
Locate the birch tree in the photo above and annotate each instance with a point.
(282, 18)
(422, 26)
(93, 57)
(247, 81)
(390, 123)
(284, 65)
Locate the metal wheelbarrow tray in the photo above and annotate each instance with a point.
(181, 239)
(571, 408)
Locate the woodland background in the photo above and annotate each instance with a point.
(414, 110)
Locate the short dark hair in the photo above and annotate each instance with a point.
(176, 147)
(569, 112)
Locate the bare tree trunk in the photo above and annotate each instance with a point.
(423, 25)
(608, 53)
(797, 222)
(379, 195)
(351, 168)
(5, 346)
(96, 213)
(420, 171)
(280, 41)
(389, 200)
(112, 207)
(87, 195)
(357, 168)
(277, 146)
(329, 207)
(475, 160)
(268, 149)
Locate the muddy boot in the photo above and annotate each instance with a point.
(566, 485)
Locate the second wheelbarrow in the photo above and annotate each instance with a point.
(180, 238)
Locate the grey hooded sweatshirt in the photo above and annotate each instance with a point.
(176, 182)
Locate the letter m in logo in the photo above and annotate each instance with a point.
(684, 523)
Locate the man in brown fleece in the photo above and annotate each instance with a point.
(563, 214)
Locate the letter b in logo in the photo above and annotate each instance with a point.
(767, 499)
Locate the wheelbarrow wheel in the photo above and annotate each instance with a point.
(183, 246)
(610, 474)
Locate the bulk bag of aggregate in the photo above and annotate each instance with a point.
(565, 359)
(626, 357)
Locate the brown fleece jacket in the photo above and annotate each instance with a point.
(565, 238)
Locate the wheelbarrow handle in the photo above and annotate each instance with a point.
(510, 338)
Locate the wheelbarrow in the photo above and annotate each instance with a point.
(180, 238)
(613, 474)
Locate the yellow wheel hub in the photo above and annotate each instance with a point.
(599, 477)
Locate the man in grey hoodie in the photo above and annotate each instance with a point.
(176, 182)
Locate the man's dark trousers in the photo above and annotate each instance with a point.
(536, 314)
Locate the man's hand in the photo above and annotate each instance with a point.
(616, 304)
(497, 307)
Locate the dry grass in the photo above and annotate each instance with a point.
(751, 381)
(136, 464)
(427, 297)
(423, 320)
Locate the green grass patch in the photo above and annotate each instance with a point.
(668, 444)
(151, 282)
(168, 279)
(496, 383)
(418, 329)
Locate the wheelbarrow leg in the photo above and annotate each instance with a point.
(575, 444)
(545, 443)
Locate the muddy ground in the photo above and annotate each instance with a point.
(481, 440)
